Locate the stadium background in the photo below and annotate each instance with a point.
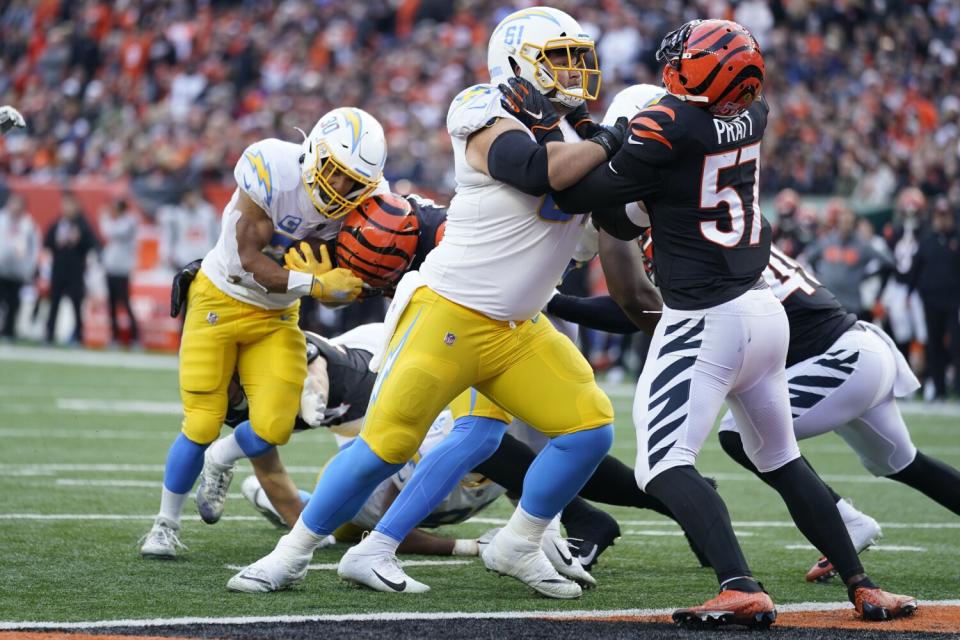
(145, 101)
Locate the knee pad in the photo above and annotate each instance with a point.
(273, 426)
(201, 427)
(395, 446)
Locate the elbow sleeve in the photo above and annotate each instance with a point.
(517, 160)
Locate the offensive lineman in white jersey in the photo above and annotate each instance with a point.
(243, 306)
(472, 319)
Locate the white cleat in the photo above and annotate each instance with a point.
(511, 555)
(563, 560)
(378, 571)
(162, 541)
(215, 480)
(278, 570)
(864, 532)
(257, 497)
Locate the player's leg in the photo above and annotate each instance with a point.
(421, 374)
(548, 384)
(272, 364)
(693, 362)
(882, 441)
(763, 413)
(207, 359)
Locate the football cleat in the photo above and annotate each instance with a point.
(876, 604)
(162, 541)
(755, 610)
(592, 536)
(864, 532)
(511, 555)
(257, 497)
(215, 480)
(563, 559)
(378, 571)
(278, 570)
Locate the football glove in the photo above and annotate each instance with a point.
(303, 259)
(10, 118)
(582, 123)
(181, 285)
(611, 137)
(522, 100)
(336, 286)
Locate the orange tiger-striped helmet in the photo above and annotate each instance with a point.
(715, 64)
(378, 241)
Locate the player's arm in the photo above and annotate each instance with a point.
(506, 153)
(600, 313)
(276, 482)
(254, 231)
(622, 263)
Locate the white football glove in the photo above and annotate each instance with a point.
(313, 398)
(10, 118)
(589, 245)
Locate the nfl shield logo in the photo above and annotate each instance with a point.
(212, 318)
(449, 339)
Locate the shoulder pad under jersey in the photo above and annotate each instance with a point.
(632, 100)
(473, 109)
(260, 172)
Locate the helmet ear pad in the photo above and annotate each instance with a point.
(672, 79)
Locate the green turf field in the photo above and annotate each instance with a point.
(87, 443)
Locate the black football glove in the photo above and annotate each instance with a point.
(582, 123)
(522, 100)
(611, 138)
(181, 284)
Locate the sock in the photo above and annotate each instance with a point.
(171, 505)
(937, 480)
(815, 512)
(698, 508)
(184, 462)
(226, 451)
(562, 468)
(304, 496)
(527, 526)
(472, 440)
(251, 444)
(346, 484)
(377, 543)
(301, 540)
(732, 444)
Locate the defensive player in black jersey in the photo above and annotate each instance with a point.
(693, 159)
(844, 376)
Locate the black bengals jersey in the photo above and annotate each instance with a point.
(351, 383)
(698, 177)
(816, 317)
(432, 218)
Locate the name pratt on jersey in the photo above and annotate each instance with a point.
(730, 131)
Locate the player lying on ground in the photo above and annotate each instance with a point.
(693, 159)
(243, 308)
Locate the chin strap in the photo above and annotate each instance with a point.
(689, 98)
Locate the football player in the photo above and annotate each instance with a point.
(723, 335)
(470, 317)
(243, 307)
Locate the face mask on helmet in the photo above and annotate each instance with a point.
(333, 187)
(574, 58)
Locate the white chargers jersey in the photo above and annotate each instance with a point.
(269, 173)
(473, 494)
(503, 251)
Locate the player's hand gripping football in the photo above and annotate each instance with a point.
(334, 285)
(522, 100)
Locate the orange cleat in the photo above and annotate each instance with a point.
(821, 571)
(753, 610)
(876, 604)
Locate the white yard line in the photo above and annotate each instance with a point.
(113, 359)
(400, 616)
(46, 433)
(149, 407)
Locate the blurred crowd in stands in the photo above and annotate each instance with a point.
(865, 119)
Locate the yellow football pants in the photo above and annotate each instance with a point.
(440, 348)
(266, 347)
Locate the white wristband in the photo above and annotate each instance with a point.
(300, 282)
(465, 548)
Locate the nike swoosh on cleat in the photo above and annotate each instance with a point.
(588, 559)
(396, 586)
(566, 559)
